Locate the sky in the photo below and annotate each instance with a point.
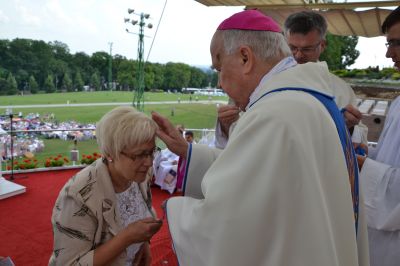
(184, 33)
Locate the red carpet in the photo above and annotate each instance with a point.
(25, 221)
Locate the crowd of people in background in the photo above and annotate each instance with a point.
(32, 141)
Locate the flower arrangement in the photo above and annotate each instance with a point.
(24, 164)
(56, 161)
(90, 158)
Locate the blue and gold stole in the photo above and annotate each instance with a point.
(345, 139)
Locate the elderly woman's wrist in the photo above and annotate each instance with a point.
(126, 238)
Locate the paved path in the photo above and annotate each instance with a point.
(106, 104)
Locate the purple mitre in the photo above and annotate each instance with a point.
(249, 20)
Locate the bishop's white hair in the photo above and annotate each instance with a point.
(265, 44)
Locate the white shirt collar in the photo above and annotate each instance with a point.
(284, 64)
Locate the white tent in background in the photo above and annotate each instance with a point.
(358, 18)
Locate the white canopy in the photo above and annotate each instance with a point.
(342, 17)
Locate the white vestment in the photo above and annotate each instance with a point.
(343, 94)
(278, 194)
(380, 178)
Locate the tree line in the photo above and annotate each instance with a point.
(30, 66)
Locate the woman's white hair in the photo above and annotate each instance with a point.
(266, 45)
(123, 127)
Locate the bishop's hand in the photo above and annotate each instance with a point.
(170, 135)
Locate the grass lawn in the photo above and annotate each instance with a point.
(95, 97)
(191, 115)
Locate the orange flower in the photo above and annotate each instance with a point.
(57, 161)
(90, 158)
(24, 164)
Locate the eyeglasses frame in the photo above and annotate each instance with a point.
(142, 156)
(305, 50)
(393, 43)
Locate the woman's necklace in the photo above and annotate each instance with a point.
(122, 186)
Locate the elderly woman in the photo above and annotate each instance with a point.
(103, 215)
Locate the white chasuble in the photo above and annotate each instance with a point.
(278, 194)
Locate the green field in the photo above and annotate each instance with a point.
(95, 97)
(191, 115)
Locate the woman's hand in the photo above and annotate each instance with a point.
(143, 256)
(139, 231)
(142, 230)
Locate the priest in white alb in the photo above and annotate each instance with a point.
(285, 190)
(380, 171)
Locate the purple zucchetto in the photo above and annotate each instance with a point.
(249, 20)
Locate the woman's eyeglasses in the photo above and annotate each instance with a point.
(142, 156)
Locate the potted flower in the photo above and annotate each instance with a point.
(56, 161)
(90, 158)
